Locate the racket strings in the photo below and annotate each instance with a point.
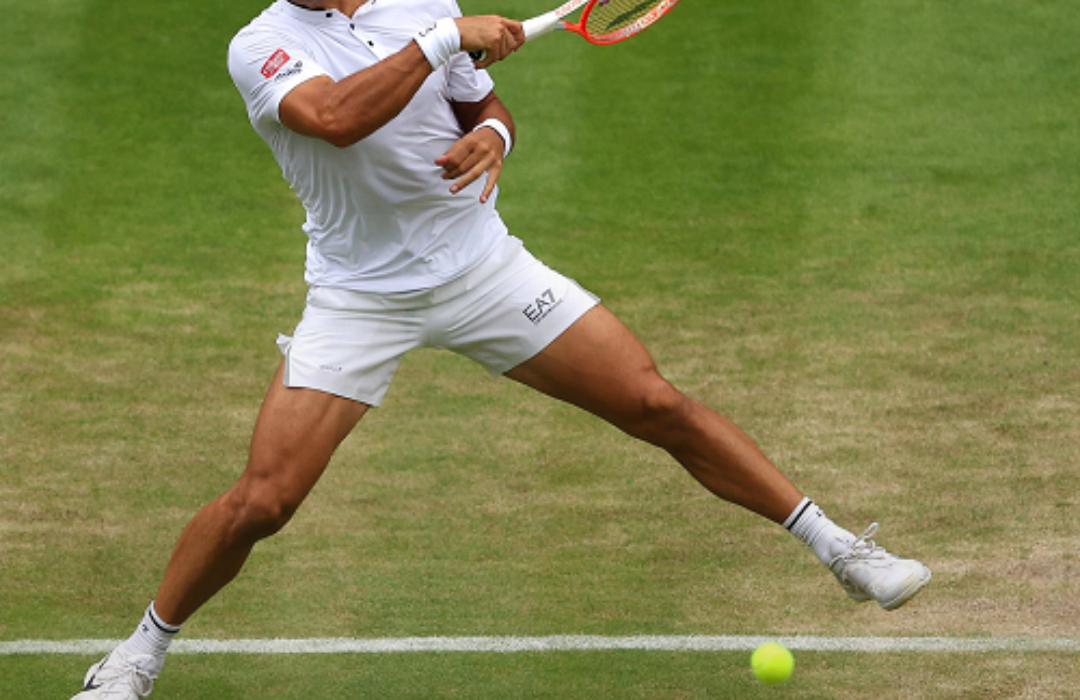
(611, 16)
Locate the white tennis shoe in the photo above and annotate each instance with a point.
(117, 677)
(868, 572)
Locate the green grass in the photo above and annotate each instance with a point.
(639, 676)
(850, 226)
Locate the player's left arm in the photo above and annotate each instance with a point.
(481, 150)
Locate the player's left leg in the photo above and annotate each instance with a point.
(599, 365)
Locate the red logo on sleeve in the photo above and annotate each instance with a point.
(274, 63)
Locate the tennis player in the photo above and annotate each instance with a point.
(393, 140)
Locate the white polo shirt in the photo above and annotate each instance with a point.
(380, 218)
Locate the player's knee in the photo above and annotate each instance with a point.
(662, 411)
(259, 510)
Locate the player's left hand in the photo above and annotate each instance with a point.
(474, 154)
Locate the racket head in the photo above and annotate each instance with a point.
(611, 21)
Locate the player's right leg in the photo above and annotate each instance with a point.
(294, 438)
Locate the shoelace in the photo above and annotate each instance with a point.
(142, 682)
(863, 547)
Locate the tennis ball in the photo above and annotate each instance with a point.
(772, 663)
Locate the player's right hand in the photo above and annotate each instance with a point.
(497, 37)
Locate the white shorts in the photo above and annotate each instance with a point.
(501, 313)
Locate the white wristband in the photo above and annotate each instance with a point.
(501, 130)
(439, 42)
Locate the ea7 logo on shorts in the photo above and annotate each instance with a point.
(539, 309)
(274, 63)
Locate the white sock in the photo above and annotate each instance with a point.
(824, 537)
(152, 639)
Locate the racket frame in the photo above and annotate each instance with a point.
(550, 21)
(638, 25)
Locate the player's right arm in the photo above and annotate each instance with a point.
(346, 111)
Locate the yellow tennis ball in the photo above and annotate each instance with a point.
(772, 663)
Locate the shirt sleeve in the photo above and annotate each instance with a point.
(266, 66)
(466, 83)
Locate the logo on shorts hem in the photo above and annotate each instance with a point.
(542, 307)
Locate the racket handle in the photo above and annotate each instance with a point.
(537, 26)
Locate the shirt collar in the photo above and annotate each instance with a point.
(318, 15)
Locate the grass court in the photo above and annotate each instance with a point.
(850, 226)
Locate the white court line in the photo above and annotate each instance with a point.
(509, 645)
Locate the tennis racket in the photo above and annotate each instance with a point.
(602, 21)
